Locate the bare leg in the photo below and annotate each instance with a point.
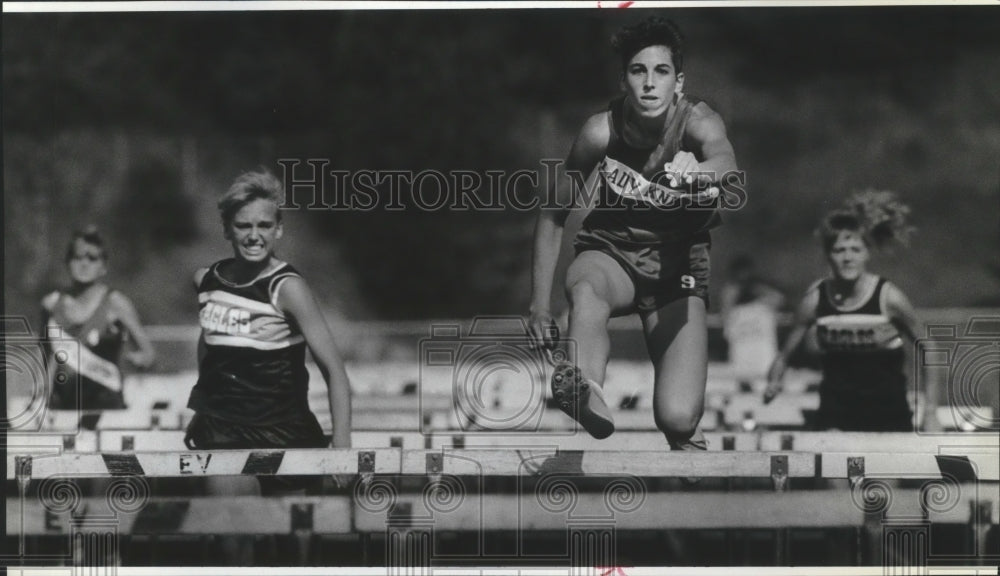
(597, 288)
(237, 550)
(677, 341)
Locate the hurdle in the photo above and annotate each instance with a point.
(972, 466)
(548, 496)
(627, 441)
(659, 511)
(320, 462)
(553, 516)
(236, 515)
(931, 443)
(344, 515)
(368, 463)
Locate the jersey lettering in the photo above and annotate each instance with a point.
(628, 183)
(846, 338)
(215, 317)
(857, 333)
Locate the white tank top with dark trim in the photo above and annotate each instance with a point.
(863, 350)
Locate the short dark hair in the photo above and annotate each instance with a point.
(248, 187)
(88, 235)
(653, 31)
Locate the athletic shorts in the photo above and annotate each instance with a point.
(211, 433)
(661, 273)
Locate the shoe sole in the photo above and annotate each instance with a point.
(691, 481)
(574, 398)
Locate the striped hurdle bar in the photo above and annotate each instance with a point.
(983, 466)
(877, 442)
(966, 467)
(475, 463)
(969, 467)
(296, 462)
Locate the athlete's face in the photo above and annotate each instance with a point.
(651, 81)
(86, 263)
(848, 256)
(254, 231)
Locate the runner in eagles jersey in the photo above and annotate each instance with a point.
(257, 317)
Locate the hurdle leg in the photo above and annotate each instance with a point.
(303, 546)
(781, 547)
(366, 543)
(302, 528)
(858, 546)
(728, 539)
(838, 548)
(871, 540)
(238, 550)
(207, 547)
(153, 546)
(981, 520)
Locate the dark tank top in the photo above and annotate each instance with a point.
(85, 358)
(863, 354)
(635, 204)
(253, 370)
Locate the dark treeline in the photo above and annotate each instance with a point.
(136, 121)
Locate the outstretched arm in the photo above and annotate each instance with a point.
(587, 151)
(199, 275)
(144, 354)
(711, 155)
(902, 314)
(805, 316)
(296, 299)
(48, 305)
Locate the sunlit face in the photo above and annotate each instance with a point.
(254, 231)
(651, 81)
(86, 263)
(848, 256)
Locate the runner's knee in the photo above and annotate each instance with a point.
(678, 423)
(585, 300)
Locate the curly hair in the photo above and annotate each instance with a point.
(878, 216)
(248, 187)
(653, 31)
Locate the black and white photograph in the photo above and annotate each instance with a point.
(598, 288)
